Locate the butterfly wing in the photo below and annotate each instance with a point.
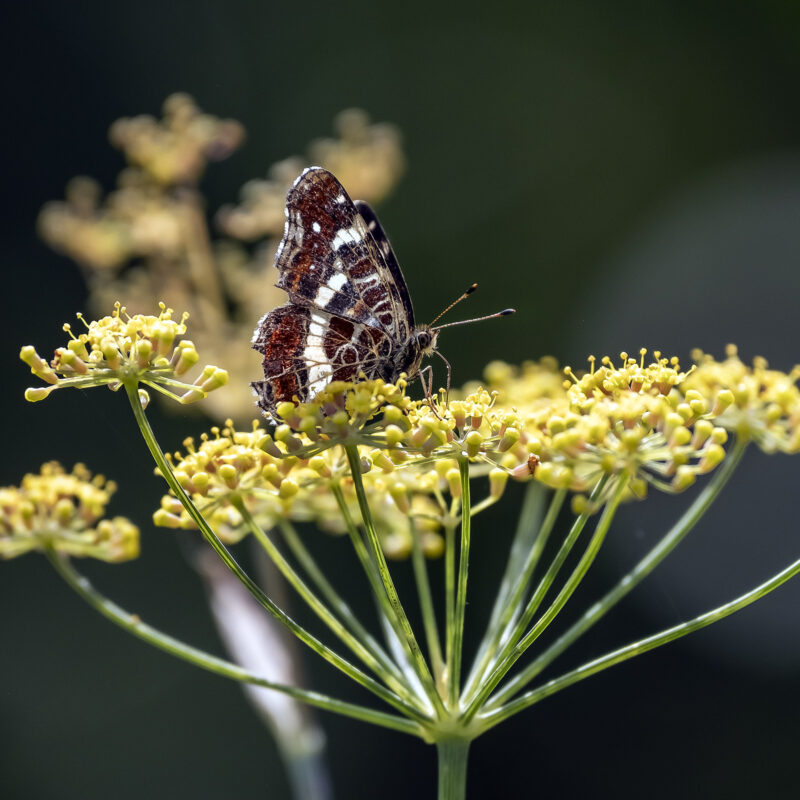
(305, 349)
(349, 309)
(398, 285)
(328, 258)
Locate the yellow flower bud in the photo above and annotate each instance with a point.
(498, 478)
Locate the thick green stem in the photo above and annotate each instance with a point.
(452, 756)
(513, 652)
(208, 534)
(637, 648)
(668, 543)
(403, 630)
(457, 632)
(132, 624)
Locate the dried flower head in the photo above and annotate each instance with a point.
(64, 510)
(176, 149)
(366, 157)
(119, 349)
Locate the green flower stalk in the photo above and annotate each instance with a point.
(408, 478)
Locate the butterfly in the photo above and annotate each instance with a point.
(349, 311)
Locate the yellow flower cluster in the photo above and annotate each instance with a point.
(651, 421)
(341, 413)
(631, 417)
(654, 423)
(120, 348)
(224, 468)
(64, 510)
(232, 467)
(755, 403)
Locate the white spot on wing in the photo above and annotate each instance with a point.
(324, 295)
(315, 226)
(319, 368)
(285, 234)
(257, 331)
(317, 325)
(345, 236)
(337, 280)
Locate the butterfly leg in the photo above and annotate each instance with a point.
(449, 373)
(427, 388)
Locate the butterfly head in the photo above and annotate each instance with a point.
(425, 340)
(421, 343)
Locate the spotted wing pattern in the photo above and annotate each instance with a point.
(348, 312)
(328, 258)
(398, 285)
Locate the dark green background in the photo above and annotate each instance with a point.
(625, 174)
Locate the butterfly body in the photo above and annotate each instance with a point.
(349, 311)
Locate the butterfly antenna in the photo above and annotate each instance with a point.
(504, 313)
(456, 302)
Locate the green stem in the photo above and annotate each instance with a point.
(511, 638)
(452, 757)
(526, 550)
(426, 606)
(398, 616)
(513, 651)
(336, 601)
(208, 534)
(133, 625)
(358, 542)
(457, 631)
(526, 540)
(668, 543)
(384, 608)
(449, 594)
(637, 648)
(314, 603)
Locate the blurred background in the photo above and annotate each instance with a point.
(624, 174)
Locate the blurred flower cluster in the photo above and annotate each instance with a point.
(366, 158)
(149, 237)
(64, 511)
